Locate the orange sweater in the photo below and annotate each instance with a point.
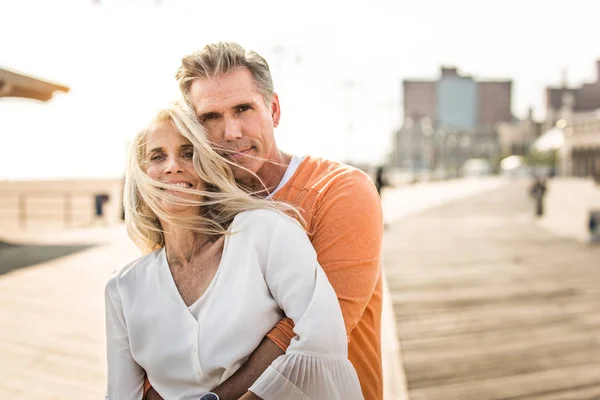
(345, 225)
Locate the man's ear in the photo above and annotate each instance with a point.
(275, 110)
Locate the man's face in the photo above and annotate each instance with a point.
(238, 121)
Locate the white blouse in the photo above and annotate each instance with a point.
(268, 269)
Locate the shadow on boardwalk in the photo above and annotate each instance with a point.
(489, 305)
(20, 255)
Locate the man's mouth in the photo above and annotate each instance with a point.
(239, 154)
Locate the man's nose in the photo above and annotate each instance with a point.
(233, 129)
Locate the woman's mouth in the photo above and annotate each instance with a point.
(186, 185)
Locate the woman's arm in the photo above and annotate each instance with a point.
(125, 376)
(316, 364)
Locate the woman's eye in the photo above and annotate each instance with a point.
(157, 157)
(188, 155)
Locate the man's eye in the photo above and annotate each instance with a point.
(209, 117)
(243, 108)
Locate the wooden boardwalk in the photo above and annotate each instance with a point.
(488, 305)
(491, 306)
(52, 340)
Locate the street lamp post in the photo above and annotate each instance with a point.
(441, 135)
(407, 134)
(427, 132)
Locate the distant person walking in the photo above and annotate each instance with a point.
(593, 227)
(100, 201)
(381, 180)
(537, 191)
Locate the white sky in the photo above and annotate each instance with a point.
(119, 58)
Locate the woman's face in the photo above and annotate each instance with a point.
(168, 159)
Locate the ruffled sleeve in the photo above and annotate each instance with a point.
(315, 365)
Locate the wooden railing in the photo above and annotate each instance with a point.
(57, 208)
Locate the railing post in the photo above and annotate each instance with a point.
(22, 211)
(68, 210)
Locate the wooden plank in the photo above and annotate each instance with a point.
(430, 369)
(515, 386)
(475, 320)
(582, 392)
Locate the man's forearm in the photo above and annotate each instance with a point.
(152, 394)
(237, 385)
(250, 396)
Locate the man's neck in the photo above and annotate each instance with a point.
(270, 175)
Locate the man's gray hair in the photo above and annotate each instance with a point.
(218, 59)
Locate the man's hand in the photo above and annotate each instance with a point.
(151, 394)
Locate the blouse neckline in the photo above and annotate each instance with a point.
(164, 263)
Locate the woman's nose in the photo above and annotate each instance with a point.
(173, 165)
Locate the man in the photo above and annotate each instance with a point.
(231, 90)
(538, 191)
(380, 179)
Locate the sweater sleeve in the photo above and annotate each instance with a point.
(315, 365)
(125, 376)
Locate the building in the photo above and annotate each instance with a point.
(516, 137)
(494, 102)
(420, 99)
(421, 146)
(580, 153)
(585, 98)
(450, 120)
(456, 101)
(576, 110)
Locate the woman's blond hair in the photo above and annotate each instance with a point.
(217, 205)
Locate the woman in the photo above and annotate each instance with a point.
(224, 268)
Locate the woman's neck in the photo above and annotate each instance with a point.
(181, 244)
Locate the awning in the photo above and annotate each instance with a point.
(552, 139)
(13, 84)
